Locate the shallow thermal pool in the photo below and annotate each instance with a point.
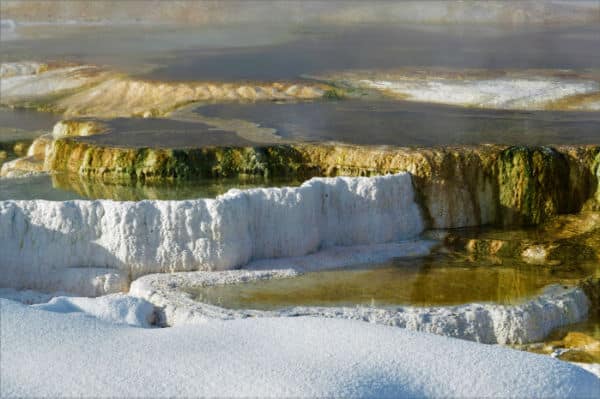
(432, 281)
(402, 123)
(63, 187)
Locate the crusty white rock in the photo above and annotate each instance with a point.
(42, 239)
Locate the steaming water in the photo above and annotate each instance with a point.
(317, 49)
(278, 51)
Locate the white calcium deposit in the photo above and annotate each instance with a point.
(25, 82)
(27, 297)
(336, 257)
(98, 246)
(11, 69)
(530, 321)
(523, 89)
(500, 93)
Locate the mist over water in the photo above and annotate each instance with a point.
(318, 49)
(277, 50)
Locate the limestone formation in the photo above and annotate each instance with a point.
(457, 187)
(53, 245)
(75, 127)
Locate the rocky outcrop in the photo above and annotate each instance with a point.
(24, 166)
(10, 69)
(532, 183)
(42, 88)
(77, 128)
(146, 164)
(572, 345)
(594, 202)
(470, 186)
(31, 159)
(591, 287)
(457, 187)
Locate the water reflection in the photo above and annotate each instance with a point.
(63, 187)
(437, 280)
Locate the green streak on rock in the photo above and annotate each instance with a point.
(532, 183)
